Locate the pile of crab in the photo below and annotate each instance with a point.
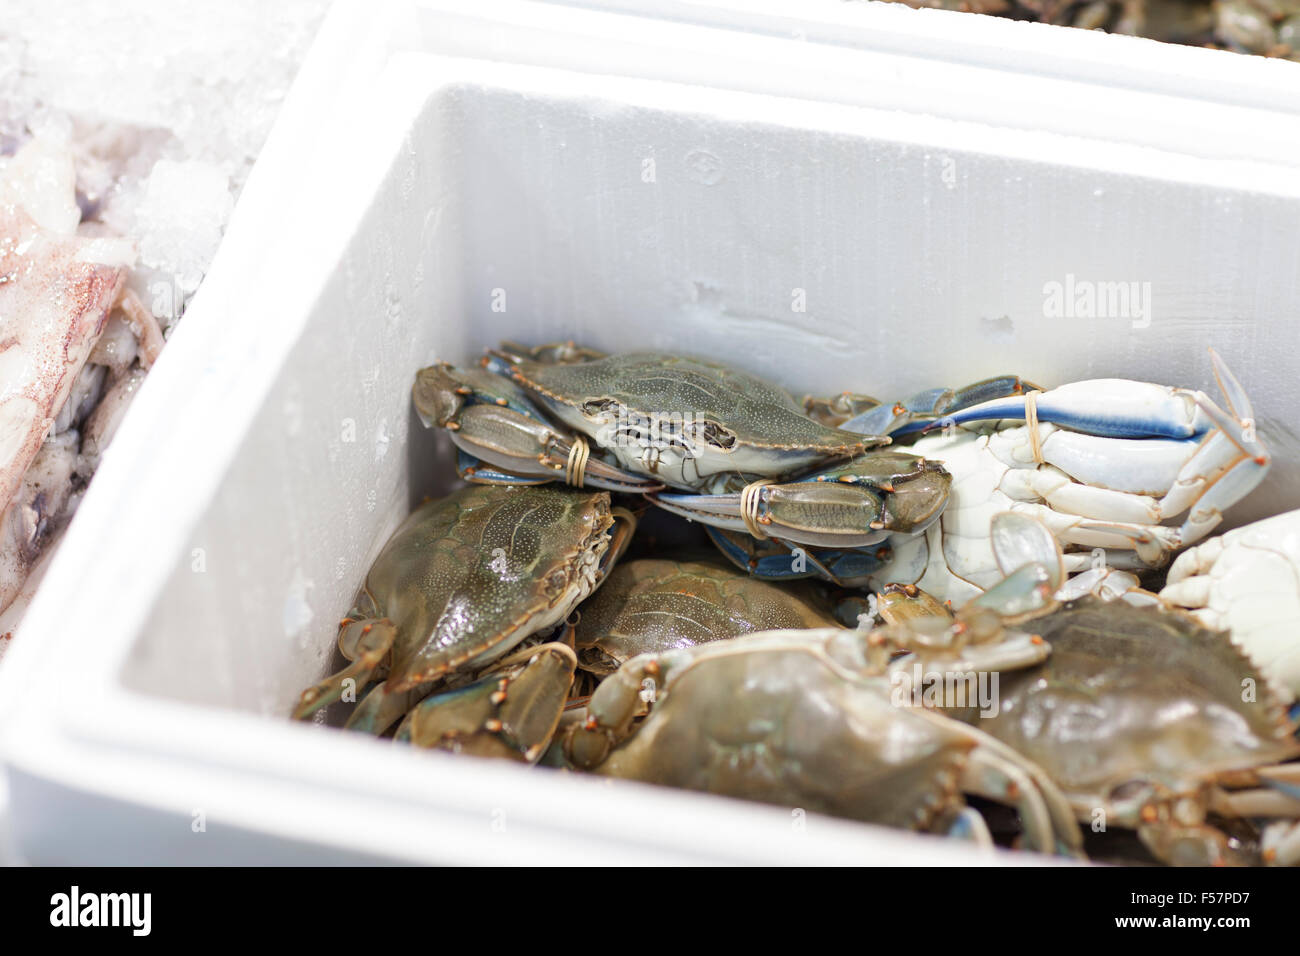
(928, 614)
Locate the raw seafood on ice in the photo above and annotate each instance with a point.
(73, 342)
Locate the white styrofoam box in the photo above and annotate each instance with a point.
(273, 447)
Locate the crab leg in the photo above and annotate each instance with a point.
(786, 561)
(1284, 777)
(1257, 803)
(383, 707)
(1190, 844)
(725, 511)
(1010, 653)
(1069, 840)
(491, 420)
(1143, 466)
(610, 712)
(1206, 514)
(996, 778)
(366, 643)
(1280, 845)
(855, 504)
(969, 825)
(1109, 584)
(510, 712)
(523, 446)
(1150, 542)
(1020, 541)
(1109, 407)
(923, 408)
(144, 325)
(1063, 493)
(1224, 471)
(1234, 460)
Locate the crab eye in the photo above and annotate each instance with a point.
(556, 582)
(1129, 790)
(601, 409)
(712, 434)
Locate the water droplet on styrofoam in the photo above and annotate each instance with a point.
(292, 410)
(297, 613)
(393, 305)
(382, 438)
(705, 167)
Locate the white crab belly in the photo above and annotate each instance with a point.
(954, 559)
(1252, 589)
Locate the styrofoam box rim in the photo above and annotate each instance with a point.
(1020, 46)
(67, 722)
(1007, 74)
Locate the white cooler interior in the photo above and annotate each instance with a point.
(622, 213)
(517, 206)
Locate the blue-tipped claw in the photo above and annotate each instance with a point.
(935, 404)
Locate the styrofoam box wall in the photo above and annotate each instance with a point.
(820, 246)
(529, 183)
(620, 212)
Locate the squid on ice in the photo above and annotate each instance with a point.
(74, 346)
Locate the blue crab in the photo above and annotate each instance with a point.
(658, 604)
(1140, 717)
(1104, 464)
(461, 583)
(699, 426)
(641, 420)
(689, 423)
(815, 719)
(1144, 718)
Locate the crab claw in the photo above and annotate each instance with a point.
(1019, 540)
(776, 561)
(1227, 465)
(1109, 407)
(1118, 407)
(789, 513)
(1029, 557)
(854, 505)
(924, 408)
(523, 447)
(491, 421)
(1026, 592)
(512, 712)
